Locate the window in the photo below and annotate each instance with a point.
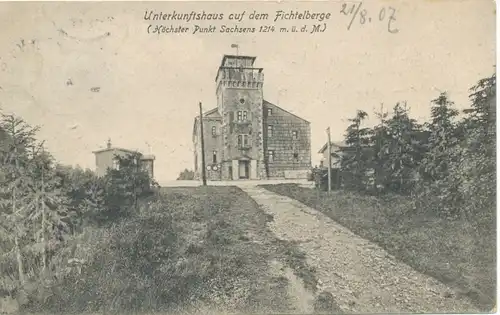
(295, 134)
(214, 157)
(269, 131)
(296, 156)
(240, 116)
(244, 115)
(243, 141)
(116, 164)
(214, 131)
(270, 155)
(269, 111)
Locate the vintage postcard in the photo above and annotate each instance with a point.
(248, 157)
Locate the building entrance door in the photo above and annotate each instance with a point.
(244, 169)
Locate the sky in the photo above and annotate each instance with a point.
(52, 54)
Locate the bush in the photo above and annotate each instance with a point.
(186, 175)
(320, 177)
(125, 266)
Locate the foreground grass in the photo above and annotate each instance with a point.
(199, 249)
(460, 254)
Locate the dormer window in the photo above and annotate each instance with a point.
(269, 111)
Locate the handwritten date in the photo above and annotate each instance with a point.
(356, 12)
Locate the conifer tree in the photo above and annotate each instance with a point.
(125, 185)
(442, 138)
(355, 163)
(48, 215)
(403, 150)
(16, 183)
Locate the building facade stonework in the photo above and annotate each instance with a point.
(245, 136)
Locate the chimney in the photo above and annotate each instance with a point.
(109, 144)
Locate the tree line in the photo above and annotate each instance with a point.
(446, 164)
(45, 206)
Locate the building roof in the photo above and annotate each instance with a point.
(269, 103)
(143, 156)
(115, 148)
(338, 144)
(214, 113)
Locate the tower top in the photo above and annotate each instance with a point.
(237, 61)
(231, 62)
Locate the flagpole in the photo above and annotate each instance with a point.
(237, 48)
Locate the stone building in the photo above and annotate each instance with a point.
(247, 137)
(106, 159)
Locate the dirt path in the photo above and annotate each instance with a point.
(300, 299)
(362, 277)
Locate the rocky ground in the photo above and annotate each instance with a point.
(361, 277)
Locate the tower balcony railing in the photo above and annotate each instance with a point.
(244, 122)
(240, 74)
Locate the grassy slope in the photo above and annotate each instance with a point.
(190, 247)
(454, 252)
